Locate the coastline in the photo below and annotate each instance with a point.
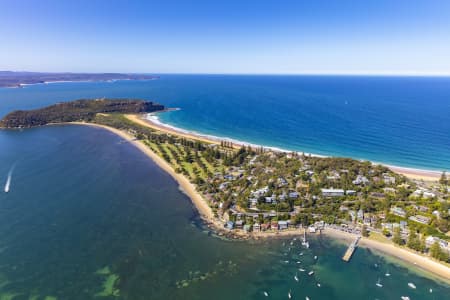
(186, 187)
(410, 257)
(206, 213)
(411, 173)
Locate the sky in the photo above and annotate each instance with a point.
(235, 36)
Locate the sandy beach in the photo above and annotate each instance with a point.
(206, 212)
(415, 174)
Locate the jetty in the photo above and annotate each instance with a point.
(348, 254)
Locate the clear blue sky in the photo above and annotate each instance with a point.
(233, 36)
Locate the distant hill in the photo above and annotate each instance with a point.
(78, 110)
(16, 79)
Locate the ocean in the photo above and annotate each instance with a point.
(90, 217)
(402, 121)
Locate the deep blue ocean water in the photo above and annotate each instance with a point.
(86, 210)
(402, 121)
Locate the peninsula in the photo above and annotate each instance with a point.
(253, 192)
(18, 79)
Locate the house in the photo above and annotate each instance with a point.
(230, 225)
(282, 182)
(256, 227)
(420, 219)
(282, 225)
(274, 225)
(350, 192)
(430, 240)
(398, 211)
(360, 214)
(377, 195)
(239, 224)
(332, 192)
(228, 177)
(294, 195)
(247, 228)
(360, 179)
(388, 179)
(270, 199)
(253, 202)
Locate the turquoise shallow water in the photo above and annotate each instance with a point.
(81, 202)
(395, 120)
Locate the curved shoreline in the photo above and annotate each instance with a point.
(206, 213)
(411, 173)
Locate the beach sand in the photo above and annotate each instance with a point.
(207, 214)
(415, 174)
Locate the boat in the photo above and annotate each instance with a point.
(301, 270)
(378, 284)
(289, 294)
(301, 254)
(315, 257)
(310, 273)
(431, 290)
(299, 262)
(306, 298)
(387, 274)
(266, 294)
(405, 298)
(295, 277)
(318, 285)
(412, 285)
(286, 261)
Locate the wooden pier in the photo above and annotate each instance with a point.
(348, 254)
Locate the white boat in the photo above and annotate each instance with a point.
(301, 270)
(412, 285)
(301, 254)
(289, 294)
(405, 298)
(296, 278)
(306, 298)
(315, 257)
(310, 273)
(431, 290)
(266, 294)
(378, 284)
(286, 261)
(318, 285)
(299, 262)
(387, 274)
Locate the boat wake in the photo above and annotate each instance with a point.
(8, 180)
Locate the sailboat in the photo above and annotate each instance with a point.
(289, 294)
(301, 270)
(295, 277)
(412, 285)
(378, 284)
(310, 273)
(318, 284)
(387, 274)
(266, 294)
